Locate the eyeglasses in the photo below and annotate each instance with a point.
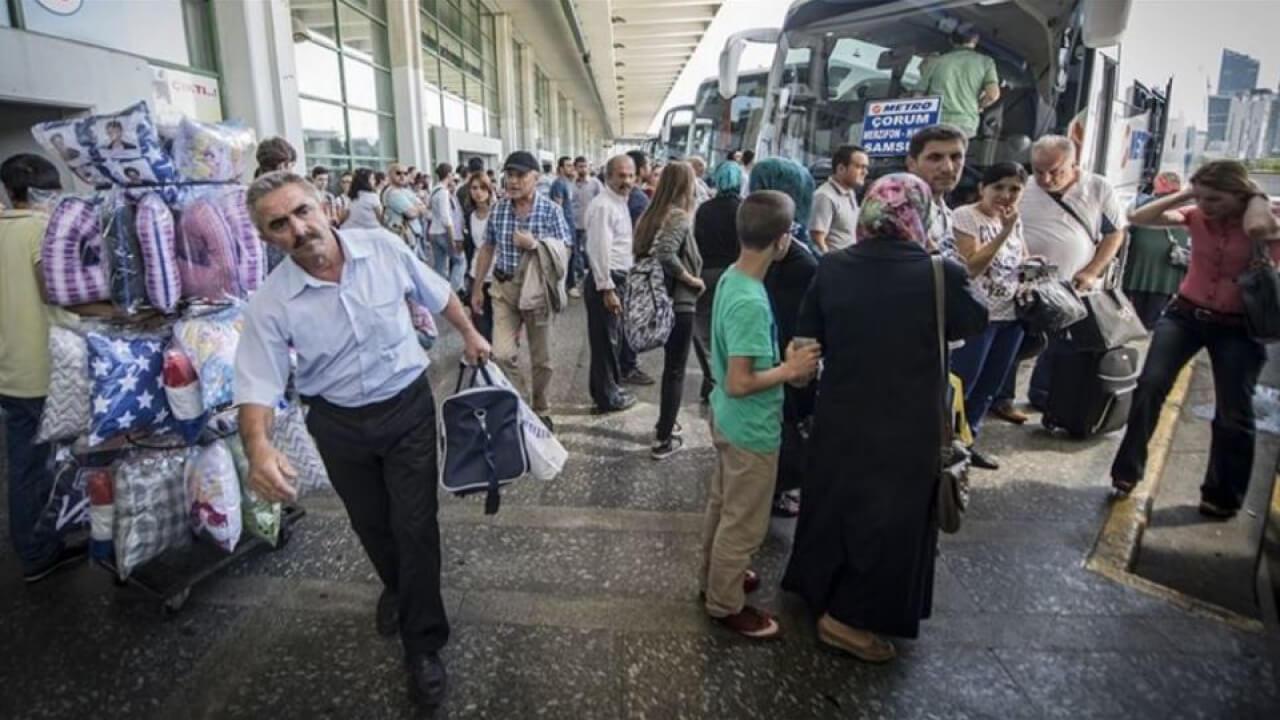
(400, 172)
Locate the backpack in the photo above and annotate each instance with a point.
(647, 310)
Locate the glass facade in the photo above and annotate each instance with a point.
(179, 32)
(542, 108)
(459, 66)
(343, 60)
(522, 112)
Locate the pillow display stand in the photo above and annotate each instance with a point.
(142, 409)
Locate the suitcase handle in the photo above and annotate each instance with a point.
(475, 369)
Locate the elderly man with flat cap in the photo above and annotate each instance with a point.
(339, 301)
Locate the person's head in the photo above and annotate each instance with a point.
(896, 207)
(475, 165)
(444, 173)
(398, 175)
(655, 174)
(379, 180)
(344, 183)
(1053, 162)
(849, 166)
(286, 210)
(748, 158)
(581, 167)
(520, 172)
(492, 175)
(362, 180)
(936, 155)
(736, 156)
(320, 177)
(620, 174)
(965, 37)
(275, 153)
(727, 178)
(1166, 183)
(699, 165)
(674, 191)
(25, 172)
(115, 131)
(786, 176)
(1222, 188)
(1001, 185)
(764, 223)
(564, 166)
(480, 190)
(546, 167)
(58, 142)
(641, 162)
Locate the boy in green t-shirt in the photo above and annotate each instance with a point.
(746, 409)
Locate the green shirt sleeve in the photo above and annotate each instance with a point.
(749, 330)
(990, 77)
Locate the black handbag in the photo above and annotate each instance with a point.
(481, 442)
(1112, 322)
(1043, 303)
(1260, 290)
(953, 461)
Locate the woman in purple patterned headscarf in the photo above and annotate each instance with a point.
(864, 548)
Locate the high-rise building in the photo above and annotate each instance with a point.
(1238, 73)
(1251, 127)
(1219, 114)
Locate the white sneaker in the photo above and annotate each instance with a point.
(575, 293)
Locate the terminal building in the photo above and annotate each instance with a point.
(356, 82)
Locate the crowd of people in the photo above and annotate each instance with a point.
(827, 321)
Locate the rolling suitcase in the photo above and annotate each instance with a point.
(1090, 392)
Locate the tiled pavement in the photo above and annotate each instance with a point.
(579, 601)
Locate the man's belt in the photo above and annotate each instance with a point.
(503, 276)
(1204, 314)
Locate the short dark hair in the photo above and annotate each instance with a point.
(935, 133)
(763, 217)
(844, 155)
(639, 158)
(546, 166)
(345, 174)
(475, 165)
(319, 170)
(1001, 170)
(115, 124)
(361, 181)
(274, 152)
(748, 157)
(25, 171)
(579, 159)
(564, 160)
(443, 170)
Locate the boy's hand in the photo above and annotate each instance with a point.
(802, 362)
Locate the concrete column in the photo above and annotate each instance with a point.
(553, 100)
(259, 80)
(508, 84)
(528, 123)
(404, 27)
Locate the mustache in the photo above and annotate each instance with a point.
(300, 240)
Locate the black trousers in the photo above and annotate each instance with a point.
(608, 346)
(381, 460)
(674, 359)
(702, 328)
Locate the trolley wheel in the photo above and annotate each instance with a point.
(173, 604)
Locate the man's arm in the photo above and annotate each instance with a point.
(1106, 251)
(483, 261)
(820, 221)
(1259, 222)
(990, 86)
(262, 369)
(599, 236)
(741, 379)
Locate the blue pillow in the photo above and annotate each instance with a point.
(127, 389)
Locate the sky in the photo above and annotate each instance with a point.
(1182, 39)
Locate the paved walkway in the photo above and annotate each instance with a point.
(579, 601)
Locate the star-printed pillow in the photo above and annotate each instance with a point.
(127, 394)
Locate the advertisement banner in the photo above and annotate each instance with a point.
(177, 93)
(889, 124)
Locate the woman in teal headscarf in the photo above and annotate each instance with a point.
(787, 281)
(715, 229)
(863, 556)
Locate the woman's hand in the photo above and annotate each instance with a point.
(696, 283)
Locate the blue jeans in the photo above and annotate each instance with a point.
(983, 363)
(30, 481)
(451, 265)
(578, 260)
(1237, 360)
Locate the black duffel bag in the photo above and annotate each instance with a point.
(1260, 290)
(1043, 303)
(1112, 322)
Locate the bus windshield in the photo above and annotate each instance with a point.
(730, 120)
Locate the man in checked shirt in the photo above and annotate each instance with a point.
(517, 224)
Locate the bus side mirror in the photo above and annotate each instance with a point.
(1105, 22)
(731, 55)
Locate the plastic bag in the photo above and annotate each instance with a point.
(156, 236)
(150, 507)
(213, 490)
(123, 147)
(126, 273)
(218, 250)
(66, 510)
(210, 340)
(261, 518)
(181, 385)
(71, 253)
(66, 408)
(1044, 303)
(212, 152)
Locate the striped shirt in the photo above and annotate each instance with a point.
(545, 221)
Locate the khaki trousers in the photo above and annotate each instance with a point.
(508, 320)
(737, 521)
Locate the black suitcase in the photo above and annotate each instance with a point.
(1090, 392)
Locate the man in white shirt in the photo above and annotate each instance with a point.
(835, 206)
(585, 189)
(936, 155)
(1071, 218)
(609, 255)
(445, 231)
(701, 193)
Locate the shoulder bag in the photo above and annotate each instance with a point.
(481, 445)
(953, 461)
(1260, 290)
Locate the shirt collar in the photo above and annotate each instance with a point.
(840, 189)
(297, 279)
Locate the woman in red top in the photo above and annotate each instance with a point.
(1230, 214)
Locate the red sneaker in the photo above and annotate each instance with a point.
(750, 582)
(752, 623)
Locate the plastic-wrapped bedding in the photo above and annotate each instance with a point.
(156, 238)
(66, 408)
(151, 506)
(213, 490)
(71, 255)
(126, 274)
(218, 251)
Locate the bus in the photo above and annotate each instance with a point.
(729, 120)
(848, 71)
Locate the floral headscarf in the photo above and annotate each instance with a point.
(789, 177)
(727, 177)
(897, 207)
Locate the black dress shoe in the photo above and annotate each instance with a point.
(637, 377)
(388, 613)
(983, 460)
(428, 680)
(622, 402)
